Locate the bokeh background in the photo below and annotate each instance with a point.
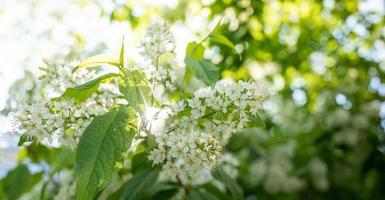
(323, 60)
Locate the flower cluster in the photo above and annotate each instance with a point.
(157, 42)
(49, 120)
(201, 126)
(319, 171)
(274, 170)
(67, 186)
(59, 76)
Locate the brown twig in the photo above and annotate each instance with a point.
(185, 188)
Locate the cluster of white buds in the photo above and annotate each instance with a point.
(157, 41)
(159, 60)
(200, 127)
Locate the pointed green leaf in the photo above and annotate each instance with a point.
(84, 91)
(138, 184)
(101, 146)
(122, 54)
(195, 50)
(215, 30)
(23, 138)
(216, 191)
(201, 194)
(217, 26)
(193, 195)
(134, 87)
(140, 162)
(221, 39)
(187, 77)
(161, 191)
(203, 70)
(19, 181)
(101, 59)
(211, 71)
(65, 158)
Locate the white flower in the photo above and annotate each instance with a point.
(157, 156)
(179, 106)
(67, 187)
(44, 117)
(318, 170)
(157, 41)
(274, 170)
(190, 149)
(203, 92)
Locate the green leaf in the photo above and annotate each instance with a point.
(217, 26)
(219, 38)
(19, 181)
(256, 121)
(215, 30)
(84, 91)
(134, 87)
(65, 158)
(217, 192)
(230, 184)
(187, 77)
(161, 191)
(122, 54)
(23, 138)
(195, 50)
(38, 153)
(140, 162)
(211, 71)
(194, 195)
(202, 194)
(203, 70)
(138, 184)
(115, 195)
(178, 96)
(101, 59)
(2, 193)
(100, 148)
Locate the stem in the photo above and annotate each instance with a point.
(207, 36)
(171, 130)
(204, 116)
(185, 188)
(208, 114)
(153, 80)
(133, 125)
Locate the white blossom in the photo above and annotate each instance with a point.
(319, 170)
(274, 170)
(160, 71)
(200, 127)
(67, 187)
(46, 118)
(158, 40)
